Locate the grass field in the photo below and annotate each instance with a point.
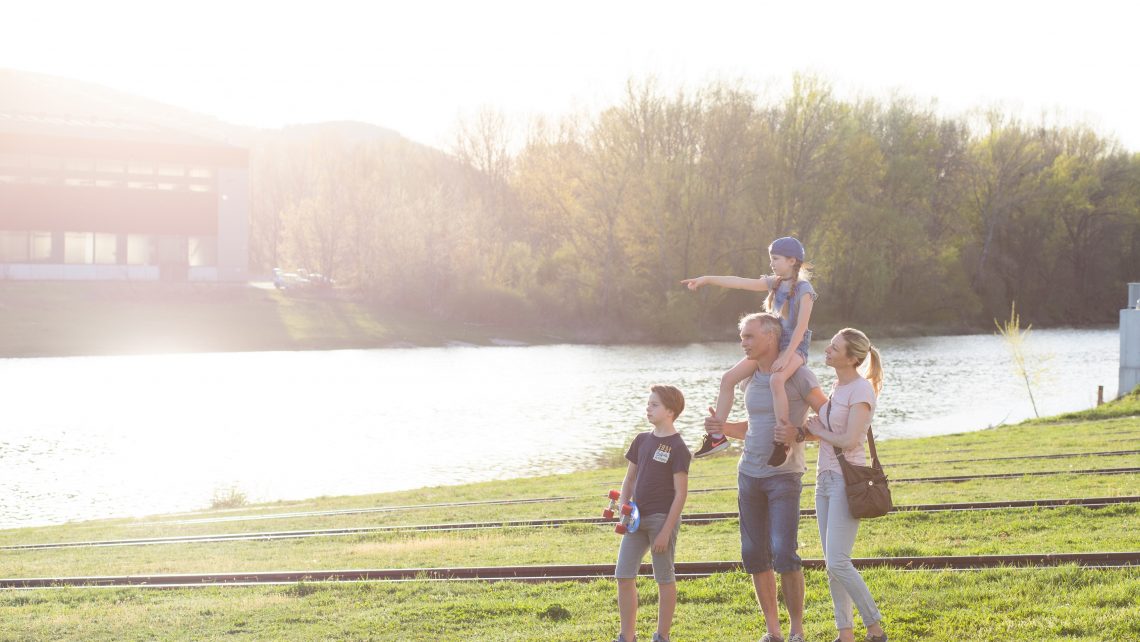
(1065, 603)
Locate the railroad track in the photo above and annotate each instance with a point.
(535, 500)
(694, 518)
(1104, 453)
(560, 573)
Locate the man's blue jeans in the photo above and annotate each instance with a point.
(770, 522)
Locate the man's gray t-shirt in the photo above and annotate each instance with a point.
(762, 423)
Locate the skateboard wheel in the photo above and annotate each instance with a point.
(626, 509)
(614, 494)
(620, 529)
(608, 514)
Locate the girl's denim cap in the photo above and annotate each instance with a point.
(787, 246)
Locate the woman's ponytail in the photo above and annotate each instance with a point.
(859, 348)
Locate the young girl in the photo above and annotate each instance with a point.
(791, 296)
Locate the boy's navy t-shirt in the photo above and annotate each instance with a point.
(657, 459)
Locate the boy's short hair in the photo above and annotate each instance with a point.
(671, 398)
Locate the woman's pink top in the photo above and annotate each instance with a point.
(843, 397)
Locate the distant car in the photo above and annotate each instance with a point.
(300, 279)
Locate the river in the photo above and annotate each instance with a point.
(92, 437)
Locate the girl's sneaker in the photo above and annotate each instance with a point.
(711, 445)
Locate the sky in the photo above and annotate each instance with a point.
(420, 66)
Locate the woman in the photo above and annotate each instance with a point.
(843, 423)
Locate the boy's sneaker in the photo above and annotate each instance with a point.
(621, 638)
(711, 445)
(795, 637)
(877, 638)
(768, 637)
(657, 637)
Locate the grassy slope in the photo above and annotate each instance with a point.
(40, 319)
(128, 318)
(1017, 604)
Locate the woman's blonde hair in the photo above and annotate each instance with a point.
(858, 348)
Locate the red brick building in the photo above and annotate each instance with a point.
(85, 198)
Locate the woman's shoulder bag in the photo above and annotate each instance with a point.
(868, 494)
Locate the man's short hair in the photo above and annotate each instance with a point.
(671, 398)
(769, 322)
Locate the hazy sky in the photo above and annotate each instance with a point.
(417, 66)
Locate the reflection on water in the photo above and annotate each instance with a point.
(88, 437)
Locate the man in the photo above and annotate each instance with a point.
(769, 496)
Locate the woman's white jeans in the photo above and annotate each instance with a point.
(837, 531)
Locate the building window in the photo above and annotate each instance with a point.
(13, 247)
(78, 248)
(140, 169)
(41, 246)
(171, 170)
(201, 172)
(171, 250)
(106, 249)
(52, 163)
(110, 166)
(79, 165)
(203, 251)
(140, 249)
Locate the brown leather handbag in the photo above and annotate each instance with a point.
(868, 494)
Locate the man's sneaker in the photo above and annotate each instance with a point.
(711, 445)
(795, 637)
(657, 637)
(768, 637)
(877, 638)
(621, 638)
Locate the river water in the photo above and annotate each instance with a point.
(91, 437)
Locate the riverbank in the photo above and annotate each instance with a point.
(86, 319)
(57, 319)
(1009, 604)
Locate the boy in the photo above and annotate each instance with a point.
(658, 480)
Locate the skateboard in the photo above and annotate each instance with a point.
(630, 517)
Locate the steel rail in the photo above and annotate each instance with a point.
(535, 500)
(570, 572)
(1106, 453)
(909, 464)
(693, 518)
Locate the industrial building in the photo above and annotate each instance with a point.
(92, 198)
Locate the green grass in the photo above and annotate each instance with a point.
(1064, 603)
(1017, 604)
